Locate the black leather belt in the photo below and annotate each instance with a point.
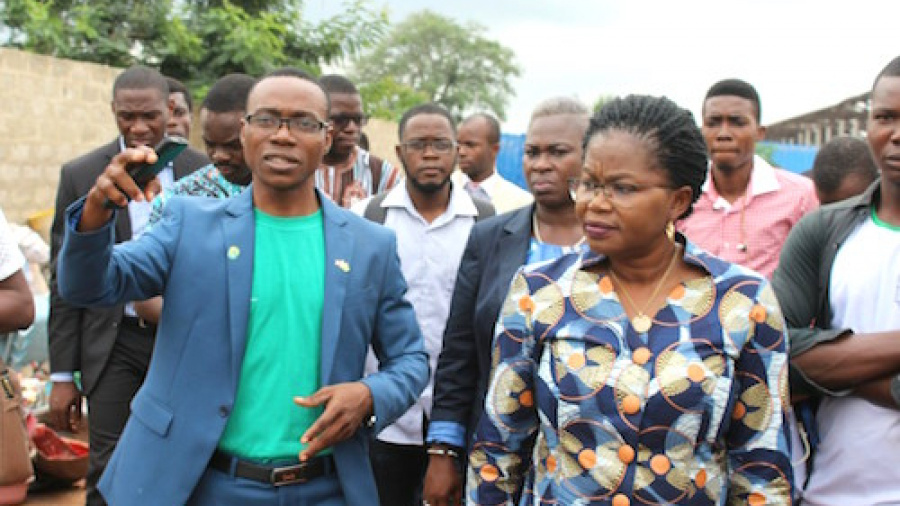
(275, 476)
(138, 323)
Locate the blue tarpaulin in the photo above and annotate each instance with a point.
(792, 157)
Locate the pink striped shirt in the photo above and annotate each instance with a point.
(751, 230)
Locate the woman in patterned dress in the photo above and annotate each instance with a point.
(646, 371)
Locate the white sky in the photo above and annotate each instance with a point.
(800, 55)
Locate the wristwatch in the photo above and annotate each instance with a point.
(443, 449)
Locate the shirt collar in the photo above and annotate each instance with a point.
(489, 183)
(762, 180)
(460, 203)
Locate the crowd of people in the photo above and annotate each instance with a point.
(662, 317)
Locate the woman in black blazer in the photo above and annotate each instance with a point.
(497, 247)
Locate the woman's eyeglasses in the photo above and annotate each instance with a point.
(617, 193)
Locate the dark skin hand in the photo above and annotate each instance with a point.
(443, 484)
(117, 186)
(347, 405)
(65, 406)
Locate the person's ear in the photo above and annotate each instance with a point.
(760, 133)
(329, 137)
(681, 200)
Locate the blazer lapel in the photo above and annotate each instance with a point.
(516, 236)
(339, 243)
(238, 231)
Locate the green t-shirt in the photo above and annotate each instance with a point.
(282, 358)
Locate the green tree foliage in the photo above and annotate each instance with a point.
(449, 63)
(196, 41)
(387, 99)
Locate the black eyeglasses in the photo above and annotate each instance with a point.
(438, 145)
(340, 121)
(270, 123)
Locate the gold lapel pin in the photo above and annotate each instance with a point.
(234, 252)
(342, 265)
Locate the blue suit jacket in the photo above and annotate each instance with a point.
(496, 249)
(200, 257)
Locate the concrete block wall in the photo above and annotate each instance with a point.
(54, 110)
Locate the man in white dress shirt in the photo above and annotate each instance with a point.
(479, 143)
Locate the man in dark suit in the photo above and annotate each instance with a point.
(110, 346)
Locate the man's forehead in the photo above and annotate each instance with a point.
(273, 92)
(887, 88)
(138, 98)
(728, 105)
(474, 126)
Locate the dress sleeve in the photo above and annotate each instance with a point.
(500, 457)
(758, 438)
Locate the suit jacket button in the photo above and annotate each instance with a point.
(224, 411)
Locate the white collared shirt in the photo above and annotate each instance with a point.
(430, 254)
(505, 195)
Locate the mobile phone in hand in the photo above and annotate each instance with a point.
(166, 151)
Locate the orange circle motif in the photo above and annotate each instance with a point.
(700, 479)
(696, 373)
(626, 454)
(678, 292)
(551, 463)
(758, 314)
(621, 500)
(526, 399)
(489, 473)
(605, 284)
(631, 404)
(641, 355)
(757, 499)
(587, 458)
(576, 361)
(739, 410)
(660, 464)
(526, 304)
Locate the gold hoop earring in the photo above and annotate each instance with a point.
(670, 231)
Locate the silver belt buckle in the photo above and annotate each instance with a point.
(289, 475)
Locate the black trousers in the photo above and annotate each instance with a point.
(399, 472)
(108, 404)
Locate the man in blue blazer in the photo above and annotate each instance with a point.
(262, 291)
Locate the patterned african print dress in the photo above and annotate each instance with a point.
(582, 409)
